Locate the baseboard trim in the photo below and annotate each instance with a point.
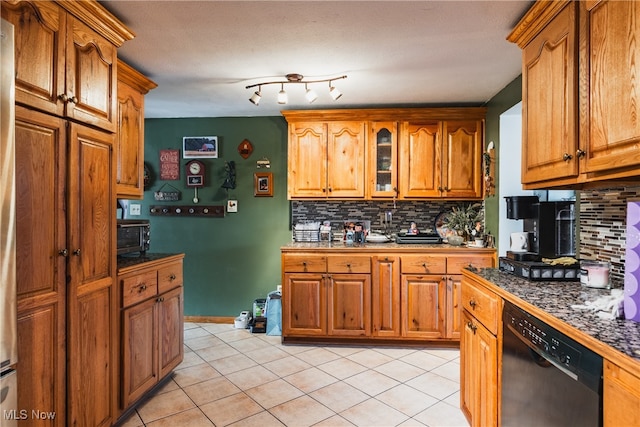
(209, 319)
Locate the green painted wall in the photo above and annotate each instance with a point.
(501, 102)
(229, 261)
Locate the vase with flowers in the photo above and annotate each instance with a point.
(464, 223)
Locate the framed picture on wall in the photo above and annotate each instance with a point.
(202, 147)
(263, 184)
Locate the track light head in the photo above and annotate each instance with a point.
(255, 98)
(335, 93)
(282, 95)
(310, 94)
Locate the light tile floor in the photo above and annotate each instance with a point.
(230, 377)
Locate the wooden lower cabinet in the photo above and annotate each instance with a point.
(621, 396)
(152, 325)
(378, 296)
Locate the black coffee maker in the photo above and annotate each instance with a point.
(551, 227)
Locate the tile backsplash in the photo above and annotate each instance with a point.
(403, 212)
(603, 227)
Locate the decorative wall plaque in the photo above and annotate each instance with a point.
(245, 149)
(170, 165)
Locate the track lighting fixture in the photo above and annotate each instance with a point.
(310, 94)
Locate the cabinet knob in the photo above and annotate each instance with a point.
(330, 189)
(73, 100)
(63, 97)
(440, 189)
(566, 157)
(473, 303)
(424, 265)
(142, 288)
(63, 252)
(472, 327)
(580, 153)
(76, 252)
(172, 277)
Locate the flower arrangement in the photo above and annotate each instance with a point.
(466, 221)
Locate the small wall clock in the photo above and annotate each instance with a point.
(195, 174)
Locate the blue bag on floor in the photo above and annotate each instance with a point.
(274, 313)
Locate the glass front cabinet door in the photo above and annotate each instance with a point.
(383, 161)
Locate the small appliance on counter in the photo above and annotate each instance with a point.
(133, 236)
(548, 233)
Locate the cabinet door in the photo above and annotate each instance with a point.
(91, 299)
(423, 306)
(170, 330)
(40, 29)
(346, 159)
(614, 131)
(91, 76)
(139, 354)
(420, 160)
(130, 152)
(454, 305)
(349, 305)
(41, 239)
(382, 173)
(479, 374)
(621, 397)
(385, 297)
(549, 110)
(461, 159)
(304, 304)
(307, 157)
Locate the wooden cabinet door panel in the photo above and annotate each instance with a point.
(549, 110)
(307, 158)
(461, 159)
(385, 296)
(614, 130)
(304, 304)
(420, 160)
(468, 368)
(423, 302)
(621, 395)
(346, 159)
(91, 76)
(349, 305)
(40, 29)
(130, 142)
(139, 354)
(170, 329)
(454, 305)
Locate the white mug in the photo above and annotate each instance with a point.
(520, 242)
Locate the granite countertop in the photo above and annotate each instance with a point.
(376, 247)
(131, 260)
(557, 299)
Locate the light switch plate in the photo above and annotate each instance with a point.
(232, 206)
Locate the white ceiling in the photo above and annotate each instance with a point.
(202, 54)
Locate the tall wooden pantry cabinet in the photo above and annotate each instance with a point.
(66, 80)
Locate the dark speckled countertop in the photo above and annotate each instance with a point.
(556, 299)
(132, 260)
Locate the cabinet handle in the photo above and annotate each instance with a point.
(63, 97)
(330, 189)
(63, 252)
(447, 189)
(76, 252)
(440, 189)
(424, 265)
(73, 100)
(473, 303)
(172, 277)
(324, 190)
(349, 266)
(159, 299)
(472, 327)
(566, 157)
(142, 288)
(580, 153)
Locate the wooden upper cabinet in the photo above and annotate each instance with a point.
(346, 159)
(612, 123)
(420, 160)
(63, 66)
(132, 87)
(461, 159)
(326, 160)
(580, 97)
(382, 161)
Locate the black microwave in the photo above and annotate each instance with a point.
(133, 236)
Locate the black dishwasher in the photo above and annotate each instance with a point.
(548, 379)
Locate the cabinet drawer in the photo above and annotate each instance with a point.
(139, 287)
(482, 304)
(304, 264)
(456, 264)
(349, 264)
(421, 264)
(169, 277)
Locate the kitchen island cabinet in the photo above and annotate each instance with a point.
(617, 341)
(152, 322)
(374, 293)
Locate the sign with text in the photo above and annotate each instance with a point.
(170, 165)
